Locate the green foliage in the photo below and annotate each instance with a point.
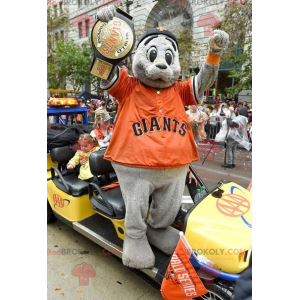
(93, 80)
(237, 22)
(55, 24)
(72, 63)
(188, 48)
(67, 61)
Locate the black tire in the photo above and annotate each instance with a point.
(221, 290)
(50, 215)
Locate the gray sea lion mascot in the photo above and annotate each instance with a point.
(152, 145)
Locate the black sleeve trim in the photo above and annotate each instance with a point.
(113, 81)
(195, 90)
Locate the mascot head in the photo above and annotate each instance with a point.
(156, 61)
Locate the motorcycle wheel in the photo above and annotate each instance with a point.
(222, 290)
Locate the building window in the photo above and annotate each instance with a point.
(87, 27)
(62, 34)
(56, 36)
(80, 29)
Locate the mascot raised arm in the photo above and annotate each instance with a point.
(152, 145)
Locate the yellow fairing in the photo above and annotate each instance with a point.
(118, 224)
(50, 164)
(221, 228)
(73, 209)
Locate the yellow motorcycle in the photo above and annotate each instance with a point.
(218, 228)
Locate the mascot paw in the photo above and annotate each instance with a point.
(106, 14)
(137, 253)
(165, 239)
(218, 42)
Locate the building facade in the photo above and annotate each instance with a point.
(197, 16)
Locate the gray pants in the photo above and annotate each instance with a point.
(137, 184)
(231, 145)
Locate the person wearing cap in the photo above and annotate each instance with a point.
(102, 131)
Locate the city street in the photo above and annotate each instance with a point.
(211, 171)
(112, 280)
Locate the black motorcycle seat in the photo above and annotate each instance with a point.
(62, 154)
(115, 199)
(77, 186)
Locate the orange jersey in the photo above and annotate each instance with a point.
(152, 129)
(99, 134)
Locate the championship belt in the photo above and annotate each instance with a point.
(112, 42)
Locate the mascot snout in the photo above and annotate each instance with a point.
(159, 71)
(161, 66)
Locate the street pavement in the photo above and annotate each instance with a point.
(112, 280)
(211, 171)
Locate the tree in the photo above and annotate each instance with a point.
(70, 63)
(188, 48)
(93, 80)
(237, 22)
(55, 25)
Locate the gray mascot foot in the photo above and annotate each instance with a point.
(137, 253)
(165, 239)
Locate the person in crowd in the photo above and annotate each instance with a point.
(207, 112)
(221, 113)
(213, 123)
(102, 128)
(201, 125)
(242, 110)
(245, 104)
(193, 111)
(228, 96)
(202, 107)
(98, 104)
(81, 102)
(233, 105)
(197, 120)
(232, 114)
(249, 113)
(88, 145)
(91, 107)
(233, 133)
(240, 104)
(222, 108)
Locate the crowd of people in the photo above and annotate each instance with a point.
(227, 122)
(206, 119)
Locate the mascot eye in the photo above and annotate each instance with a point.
(151, 54)
(169, 57)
